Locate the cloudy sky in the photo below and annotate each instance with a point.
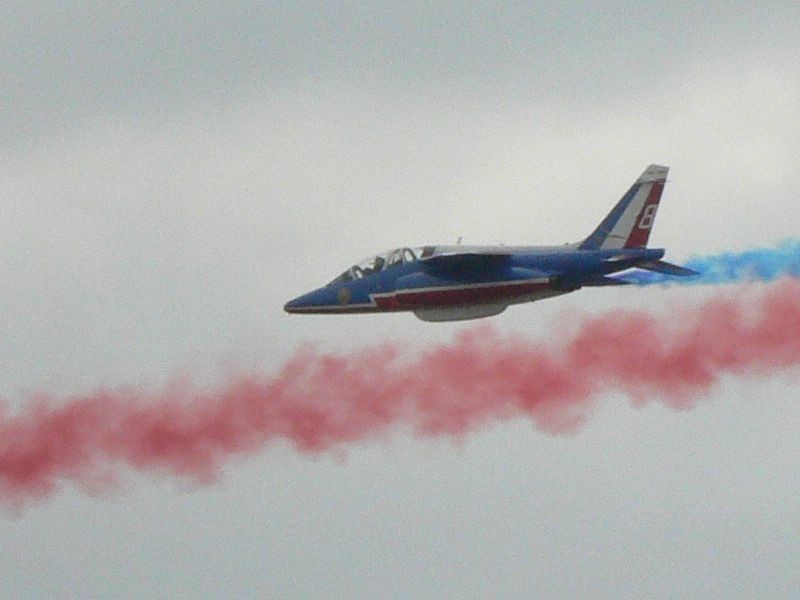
(173, 173)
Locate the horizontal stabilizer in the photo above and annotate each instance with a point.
(660, 266)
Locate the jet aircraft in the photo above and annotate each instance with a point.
(452, 283)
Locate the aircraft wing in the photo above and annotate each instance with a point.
(467, 261)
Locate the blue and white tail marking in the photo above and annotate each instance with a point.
(629, 222)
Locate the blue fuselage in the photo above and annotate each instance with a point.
(467, 278)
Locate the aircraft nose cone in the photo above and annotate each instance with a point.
(298, 304)
(292, 306)
(318, 299)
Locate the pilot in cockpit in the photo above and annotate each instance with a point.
(377, 265)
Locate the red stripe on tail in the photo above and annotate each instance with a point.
(644, 222)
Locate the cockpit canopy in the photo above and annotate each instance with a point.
(383, 261)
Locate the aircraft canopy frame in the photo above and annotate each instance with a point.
(383, 261)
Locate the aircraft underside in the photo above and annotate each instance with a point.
(447, 303)
(464, 312)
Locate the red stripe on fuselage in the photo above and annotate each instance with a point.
(410, 299)
(460, 295)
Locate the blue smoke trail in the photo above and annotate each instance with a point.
(758, 264)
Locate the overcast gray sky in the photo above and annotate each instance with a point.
(172, 173)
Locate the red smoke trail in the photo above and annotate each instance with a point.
(318, 400)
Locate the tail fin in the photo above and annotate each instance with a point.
(629, 222)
